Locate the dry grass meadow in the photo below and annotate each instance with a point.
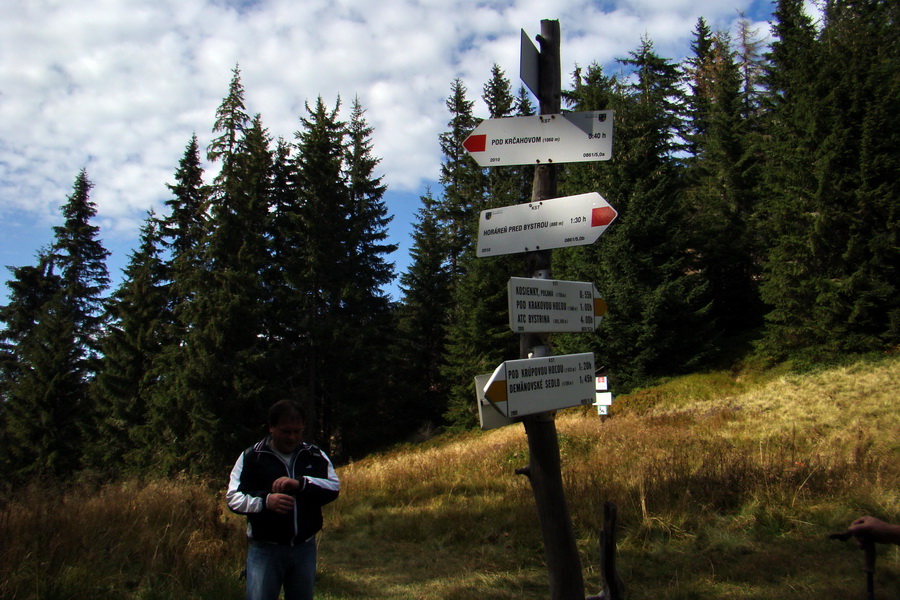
(726, 486)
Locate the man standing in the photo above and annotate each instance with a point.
(280, 484)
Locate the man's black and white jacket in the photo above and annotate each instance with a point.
(251, 482)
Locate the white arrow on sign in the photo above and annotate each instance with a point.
(535, 385)
(562, 138)
(556, 223)
(549, 306)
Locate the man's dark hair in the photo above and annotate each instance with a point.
(286, 411)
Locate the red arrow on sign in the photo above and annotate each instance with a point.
(602, 216)
(475, 143)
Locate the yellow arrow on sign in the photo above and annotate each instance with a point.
(496, 391)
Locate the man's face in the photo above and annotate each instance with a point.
(286, 435)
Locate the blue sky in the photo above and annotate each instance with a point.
(119, 86)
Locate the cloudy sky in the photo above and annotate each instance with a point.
(119, 86)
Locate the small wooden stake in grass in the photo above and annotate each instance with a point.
(613, 589)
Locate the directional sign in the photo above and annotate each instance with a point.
(548, 306)
(562, 138)
(557, 223)
(535, 385)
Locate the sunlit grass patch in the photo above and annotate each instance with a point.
(719, 496)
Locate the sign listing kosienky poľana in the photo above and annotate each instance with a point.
(551, 306)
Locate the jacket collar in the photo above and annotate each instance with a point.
(263, 446)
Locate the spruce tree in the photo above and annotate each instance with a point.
(698, 74)
(30, 288)
(35, 293)
(462, 180)
(227, 379)
(322, 268)
(369, 218)
(50, 345)
(479, 337)
(46, 407)
(641, 265)
(231, 121)
(873, 243)
(793, 273)
(80, 258)
(854, 233)
(182, 234)
(131, 345)
(365, 316)
(210, 402)
(422, 322)
(287, 344)
(721, 195)
(325, 272)
(182, 230)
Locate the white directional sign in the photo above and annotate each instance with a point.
(561, 138)
(549, 306)
(557, 223)
(535, 385)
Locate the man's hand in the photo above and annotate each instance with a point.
(869, 529)
(280, 503)
(284, 485)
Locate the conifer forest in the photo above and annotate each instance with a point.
(757, 185)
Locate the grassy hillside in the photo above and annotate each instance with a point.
(726, 486)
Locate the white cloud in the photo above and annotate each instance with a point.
(119, 86)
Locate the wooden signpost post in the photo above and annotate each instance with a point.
(544, 472)
(531, 389)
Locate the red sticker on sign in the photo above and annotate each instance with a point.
(602, 216)
(475, 143)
